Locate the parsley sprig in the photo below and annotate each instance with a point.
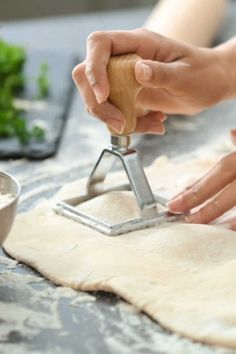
(12, 80)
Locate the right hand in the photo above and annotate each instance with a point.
(213, 194)
(176, 78)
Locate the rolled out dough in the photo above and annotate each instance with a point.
(182, 275)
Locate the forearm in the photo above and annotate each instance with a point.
(194, 22)
(227, 53)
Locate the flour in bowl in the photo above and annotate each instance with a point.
(5, 199)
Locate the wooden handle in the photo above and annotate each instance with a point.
(124, 88)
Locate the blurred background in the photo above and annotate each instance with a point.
(23, 9)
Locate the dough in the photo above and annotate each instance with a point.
(182, 275)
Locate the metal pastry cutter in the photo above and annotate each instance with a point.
(123, 91)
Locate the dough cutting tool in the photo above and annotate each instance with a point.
(123, 91)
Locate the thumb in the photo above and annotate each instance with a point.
(157, 74)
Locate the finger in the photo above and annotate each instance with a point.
(158, 74)
(186, 189)
(105, 111)
(100, 46)
(233, 136)
(225, 201)
(210, 184)
(162, 100)
(151, 123)
(98, 54)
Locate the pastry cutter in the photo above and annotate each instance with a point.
(123, 91)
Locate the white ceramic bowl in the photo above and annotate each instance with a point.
(10, 185)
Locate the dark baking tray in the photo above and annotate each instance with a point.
(51, 112)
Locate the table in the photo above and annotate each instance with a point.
(35, 315)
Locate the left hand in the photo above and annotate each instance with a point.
(175, 77)
(216, 189)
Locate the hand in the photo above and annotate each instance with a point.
(176, 78)
(217, 190)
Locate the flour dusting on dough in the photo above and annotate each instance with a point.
(167, 272)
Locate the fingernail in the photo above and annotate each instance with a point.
(146, 72)
(99, 95)
(116, 125)
(90, 76)
(163, 118)
(156, 128)
(176, 205)
(193, 218)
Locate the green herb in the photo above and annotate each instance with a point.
(42, 81)
(12, 60)
(12, 80)
(13, 123)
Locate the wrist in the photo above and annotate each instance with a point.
(227, 55)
